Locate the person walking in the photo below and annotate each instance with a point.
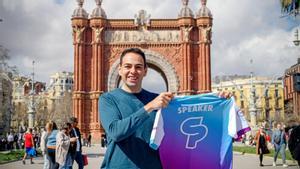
(44, 139)
(77, 148)
(89, 140)
(51, 146)
(261, 144)
(63, 141)
(10, 141)
(28, 141)
(279, 142)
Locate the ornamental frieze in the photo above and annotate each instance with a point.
(143, 35)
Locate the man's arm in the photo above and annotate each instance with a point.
(115, 126)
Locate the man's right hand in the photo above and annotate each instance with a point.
(159, 102)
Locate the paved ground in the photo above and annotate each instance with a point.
(95, 157)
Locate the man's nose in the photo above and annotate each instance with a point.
(133, 70)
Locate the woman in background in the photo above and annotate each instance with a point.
(51, 146)
(63, 153)
(261, 144)
(44, 138)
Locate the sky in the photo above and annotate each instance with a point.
(40, 30)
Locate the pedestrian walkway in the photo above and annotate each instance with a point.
(251, 161)
(96, 153)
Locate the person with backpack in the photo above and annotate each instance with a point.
(279, 141)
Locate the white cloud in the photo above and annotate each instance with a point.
(41, 30)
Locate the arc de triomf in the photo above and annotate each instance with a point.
(177, 48)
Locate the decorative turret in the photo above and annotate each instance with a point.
(80, 12)
(203, 11)
(185, 10)
(98, 12)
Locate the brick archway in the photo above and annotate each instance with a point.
(155, 59)
(179, 48)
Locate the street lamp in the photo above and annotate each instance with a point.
(296, 41)
(31, 106)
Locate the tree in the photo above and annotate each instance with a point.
(290, 7)
(61, 108)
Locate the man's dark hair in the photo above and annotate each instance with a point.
(136, 51)
(73, 120)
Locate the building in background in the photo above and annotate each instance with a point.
(268, 96)
(292, 91)
(20, 100)
(58, 97)
(60, 83)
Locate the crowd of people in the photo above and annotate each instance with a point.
(15, 141)
(280, 139)
(61, 147)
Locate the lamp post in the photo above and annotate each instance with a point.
(31, 106)
(252, 105)
(296, 41)
(252, 101)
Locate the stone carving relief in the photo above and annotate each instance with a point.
(205, 34)
(77, 32)
(111, 54)
(173, 53)
(186, 33)
(141, 36)
(142, 19)
(97, 34)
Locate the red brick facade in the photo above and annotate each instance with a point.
(291, 95)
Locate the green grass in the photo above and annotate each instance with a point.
(11, 156)
(251, 150)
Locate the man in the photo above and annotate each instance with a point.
(76, 147)
(29, 149)
(10, 140)
(279, 142)
(127, 115)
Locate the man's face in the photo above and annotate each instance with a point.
(132, 72)
(74, 124)
(279, 126)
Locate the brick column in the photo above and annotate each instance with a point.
(187, 27)
(79, 26)
(98, 73)
(204, 63)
